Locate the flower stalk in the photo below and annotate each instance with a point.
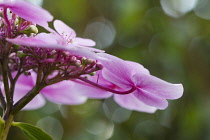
(5, 127)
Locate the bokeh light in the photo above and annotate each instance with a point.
(177, 8)
(202, 9)
(102, 31)
(52, 126)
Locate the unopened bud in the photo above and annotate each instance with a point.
(84, 58)
(31, 29)
(16, 21)
(27, 73)
(78, 63)
(99, 66)
(73, 59)
(92, 74)
(84, 61)
(88, 61)
(20, 54)
(54, 51)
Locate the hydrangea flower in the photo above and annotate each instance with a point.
(133, 86)
(129, 101)
(150, 90)
(65, 69)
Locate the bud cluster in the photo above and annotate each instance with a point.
(67, 65)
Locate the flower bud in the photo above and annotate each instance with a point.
(92, 74)
(78, 63)
(88, 61)
(30, 29)
(99, 66)
(20, 54)
(17, 21)
(73, 59)
(83, 61)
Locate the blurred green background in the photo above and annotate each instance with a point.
(174, 49)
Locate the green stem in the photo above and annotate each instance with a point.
(6, 127)
(5, 79)
(2, 101)
(25, 100)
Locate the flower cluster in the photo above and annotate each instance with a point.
(66, 69)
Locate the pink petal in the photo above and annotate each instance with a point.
(136, 68)
(41, 40)
(63, 93)
(23, 86)
(29, 12)
(64, 29)
(86, 44)
(25, 81)
(98, 78)
(85, 53)
(150, 99)
(116, 71)
(54, 41)
(155, 86)
(36, 103)
(20, 90)
(91, 91)
(91, 49)
(83, 42)
(119, 71)
(132, 103)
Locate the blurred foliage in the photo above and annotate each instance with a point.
(174, 49)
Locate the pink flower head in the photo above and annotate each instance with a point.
(150, 91)
(29, 12)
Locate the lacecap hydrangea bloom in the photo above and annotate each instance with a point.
(54, 60)
(66, 69)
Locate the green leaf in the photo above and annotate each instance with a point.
(32, 132)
